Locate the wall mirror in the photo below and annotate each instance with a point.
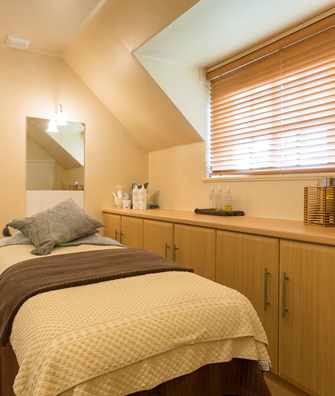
(55, 159)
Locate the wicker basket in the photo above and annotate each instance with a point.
(319, 206)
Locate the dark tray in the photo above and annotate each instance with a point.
(216, 212)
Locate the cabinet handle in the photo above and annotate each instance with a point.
(266, 275)
(166, 250)
(284, 296)
(121, 236)
(175, 249)
(116, 235)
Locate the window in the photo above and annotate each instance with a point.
(274, 111)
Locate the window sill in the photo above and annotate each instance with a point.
(278, 177)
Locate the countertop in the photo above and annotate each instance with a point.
(284, 229)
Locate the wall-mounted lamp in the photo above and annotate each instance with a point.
(52, 126)
(57, 119)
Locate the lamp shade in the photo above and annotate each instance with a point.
(52, 126)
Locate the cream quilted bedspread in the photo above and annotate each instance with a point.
(123, 336)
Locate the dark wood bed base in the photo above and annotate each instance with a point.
(236, 378)
(8, 370)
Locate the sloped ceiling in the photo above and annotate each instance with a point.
(49, 24)
(102, 55)
(215, 30)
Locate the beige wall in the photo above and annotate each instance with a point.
(178, 174)
(31, 85)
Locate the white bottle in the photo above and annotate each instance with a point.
(218, 199)
(212, 203)
(142, 197)
(228, 200)
(136, 197)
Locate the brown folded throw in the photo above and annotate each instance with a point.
(31, 277)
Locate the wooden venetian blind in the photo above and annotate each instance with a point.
(277, 113)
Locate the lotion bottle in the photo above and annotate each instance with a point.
(218, 199)
(228, 201)
(212, 195)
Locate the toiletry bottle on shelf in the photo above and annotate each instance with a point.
(228, 201)
(139, 196)
(212, 203)
(136, 198)
(143, 197)
(218, 199)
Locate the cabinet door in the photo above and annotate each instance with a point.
(195, 247)
(158, 237)
(250, 264)
(307, 321)
(132, 232)
(112, 226)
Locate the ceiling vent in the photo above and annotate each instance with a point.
(17, 42)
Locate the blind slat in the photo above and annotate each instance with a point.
(280, 110)
(276, 161)
(255, 80)
(271, 170)
(275, 155)
(275, 132)
(278, 113)
(306, 81)
(280, 121)
(266, 145)
(324, 88)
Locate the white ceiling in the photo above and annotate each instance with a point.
(213, 30)
(50, 24)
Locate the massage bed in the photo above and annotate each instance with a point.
(165, 332)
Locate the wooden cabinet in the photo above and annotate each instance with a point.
(125, 229)
(132, 232)
(307, 319)
(195, 247)
(158, 238)
(291, 285)
(250, 264)
(112, 224)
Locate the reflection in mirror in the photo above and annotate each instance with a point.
(55, 160)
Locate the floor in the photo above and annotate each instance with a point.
(280, 388)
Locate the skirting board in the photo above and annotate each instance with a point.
(279, 387)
